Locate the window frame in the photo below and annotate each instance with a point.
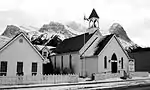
(70, 61)
(3, 69)
(34, 68)
(105, 62)
(19, 68)
(122, 63)
(62, 62)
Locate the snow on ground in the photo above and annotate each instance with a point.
(92, 86)
(89, 84)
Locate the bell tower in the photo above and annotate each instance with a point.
(93, 20)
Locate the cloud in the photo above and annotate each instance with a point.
(133, 15)
(15, 17)
(6, 5)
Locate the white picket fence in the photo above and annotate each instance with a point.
(51, 79)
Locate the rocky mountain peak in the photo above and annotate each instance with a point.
(11, 31)
(119, 31)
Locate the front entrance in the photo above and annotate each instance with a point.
(114, 63)
(114, 67)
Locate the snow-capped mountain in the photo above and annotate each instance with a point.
(59, 29)
(64, 31)
(119, 31)
(11, 31)
(52, 29)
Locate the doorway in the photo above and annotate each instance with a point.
(114, 63)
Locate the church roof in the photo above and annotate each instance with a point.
(102, 43)
(76, 43)
(93, 14)
(73, 44)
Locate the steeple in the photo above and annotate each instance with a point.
(93, 19)
(93, 14)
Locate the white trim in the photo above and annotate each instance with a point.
(105, 46)
(83, 50)
(75, 52)
(122, 47)
(27, 41)
(117, 42)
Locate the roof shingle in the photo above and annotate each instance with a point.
(102, 43)
(73, 44)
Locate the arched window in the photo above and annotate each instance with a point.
(114, 57)
(122, 63)
(70, 61)
(105, 62)
(62, 62)
(55, 62)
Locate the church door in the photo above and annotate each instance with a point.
(114, 63)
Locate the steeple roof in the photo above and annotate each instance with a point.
(93, 14)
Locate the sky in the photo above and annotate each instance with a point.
(133, 15)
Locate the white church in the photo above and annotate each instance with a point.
(92, 53)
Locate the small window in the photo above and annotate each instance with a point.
(122, 63)
(45, 54)
(105, 62)
(21, 40)
(34, 68)
(3, 68)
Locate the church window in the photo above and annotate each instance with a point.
(114, 57)
(122, 63)
(70, 61)
(55, 62)
(105, 62)
(62, 62)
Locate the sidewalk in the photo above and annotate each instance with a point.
(108, 83)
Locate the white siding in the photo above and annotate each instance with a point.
(109, 49)
(76, 62)
(23, 52)
(91, 65)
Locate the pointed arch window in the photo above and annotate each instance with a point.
(105, 62)
(70, 61)
(55, 62)
(114, 57)
(62, 62)
(122, 63)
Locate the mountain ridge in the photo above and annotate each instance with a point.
(64, 31)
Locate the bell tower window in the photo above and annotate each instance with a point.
(93, 20)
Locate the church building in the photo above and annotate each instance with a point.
(92, 53)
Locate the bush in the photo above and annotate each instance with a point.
(67, 71)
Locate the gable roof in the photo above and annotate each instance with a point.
(73, 44)
(102, 43)
(93, 14)
(17, 36)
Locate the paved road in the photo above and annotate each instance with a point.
(137, 87)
